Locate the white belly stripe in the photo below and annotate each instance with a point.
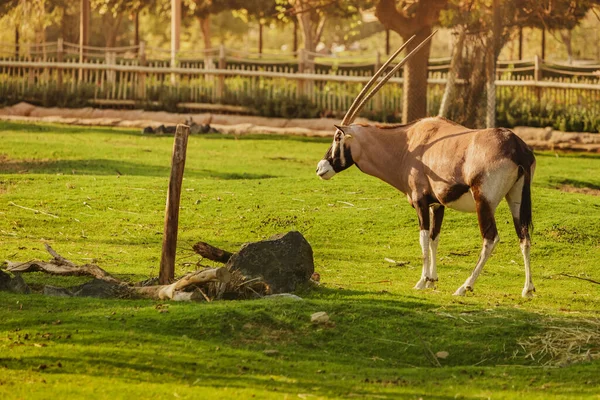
(464, 203)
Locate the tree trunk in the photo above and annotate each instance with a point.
(566, 38)
(260, 37)
(414, 93)
(17, 41)
(455, 64)
(307, 34)
(476, 85)
(136, 40)
(295, 34)
(205, 28)
(419, 21)
(111, 28)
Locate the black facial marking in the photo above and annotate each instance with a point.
(438, 217)
(336, 162)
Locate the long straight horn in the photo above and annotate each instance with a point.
(366, 88)
(387, 78)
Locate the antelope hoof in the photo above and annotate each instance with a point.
(422, 284)
(461, 291)
(528, 291)
(431, 283)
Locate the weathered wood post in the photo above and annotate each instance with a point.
(169, 245)
(301, 65)
(537, 76)
(221, 77)
(378, 100)
(60, 52)
(141, 89)
(84, 31)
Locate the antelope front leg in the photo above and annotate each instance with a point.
(436, 214)
(423, 213)
(424, 241)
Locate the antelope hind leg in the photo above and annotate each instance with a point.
(424, 241)
(486, 251)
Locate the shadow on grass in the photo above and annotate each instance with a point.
(373, 344)
(576, 183)
(113, 167)
(73, 129)
(61, 128)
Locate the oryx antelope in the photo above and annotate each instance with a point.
(439, 164)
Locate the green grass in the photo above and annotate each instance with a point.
(107, 187)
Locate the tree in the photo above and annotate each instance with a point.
(476, 17)
(407, 19)
(312, 16)
(113, 12)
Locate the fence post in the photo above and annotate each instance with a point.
(537, 76)
(221, 78)
(301, 65)
(169, 245)
(60, 48)
(378, 96)
(537, 73)
(141, 89)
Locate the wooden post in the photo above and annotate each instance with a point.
(221, 79)
(169, 245)
(295, 33)
(84, 31)
(537, 73)
(387, 42)
(492, 51)
(520, 43)
(60, 58)
(378, 96)
(543, 43)
(109, 61)
(141, 90)
(301, 66)
(260, 38)
(17, 42)
(537, 76)
(175, 34)
(136, 21)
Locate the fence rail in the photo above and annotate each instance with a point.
(270, 84)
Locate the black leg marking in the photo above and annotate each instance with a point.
(422, 208)
(485, 215)
(438, 217)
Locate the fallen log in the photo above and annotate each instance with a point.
(173, 291)
(61, 266)
(212, 253)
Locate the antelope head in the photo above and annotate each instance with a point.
(339, 156)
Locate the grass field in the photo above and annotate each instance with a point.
(107, 189)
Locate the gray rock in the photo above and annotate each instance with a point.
(57, 291)
(4, 280)
(14, 284)
(100, 289)
(284, 261)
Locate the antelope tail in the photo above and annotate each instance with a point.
(525, 214)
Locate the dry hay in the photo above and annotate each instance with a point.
(562, 346)
(239, 287)
(592, 191)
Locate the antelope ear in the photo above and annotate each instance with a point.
(340, 127)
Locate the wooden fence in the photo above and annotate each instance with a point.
(237, 81)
